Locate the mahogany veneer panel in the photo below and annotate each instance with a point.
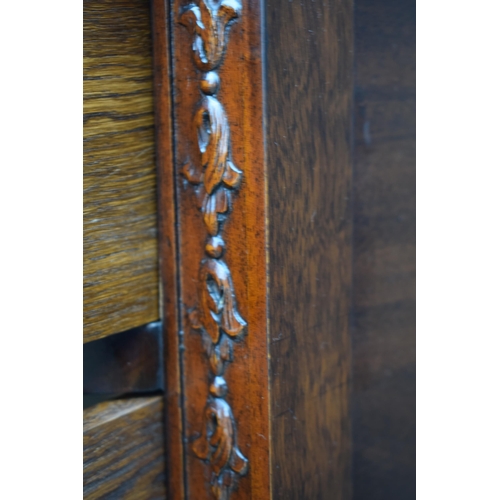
(123, 450)
(120, 236)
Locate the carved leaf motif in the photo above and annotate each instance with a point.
(232, 175)
(219, 355)
(217, 442)
(212, 128)
(214, 176)
(210, 120)
(207, 23)
(211, 207)
(192, 174)
(217, 303)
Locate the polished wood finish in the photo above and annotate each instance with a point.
(120, 248)
(216, 181)
(243, 232)
(304, 400)
(253, 122)
(123, 450)
(125, 363)
(383, 331)
(309, 107)
(168, 250)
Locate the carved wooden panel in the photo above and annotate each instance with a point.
(262, 366)
(215, 177)
(220, 192)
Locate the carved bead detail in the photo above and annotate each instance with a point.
(210, 83)
(215, 178)
(218, 387)
(215, 247)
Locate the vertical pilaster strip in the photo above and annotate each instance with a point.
(220, 180)
(220, 184)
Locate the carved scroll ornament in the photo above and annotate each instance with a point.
(215, 178)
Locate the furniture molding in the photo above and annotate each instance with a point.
(215, 178)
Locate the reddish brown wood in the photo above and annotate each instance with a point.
(168, 250)
(244, 235)
(224, 293)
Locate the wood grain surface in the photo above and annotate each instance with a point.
(384, 252)
(123, 450)
(120, 225)
(309, 114)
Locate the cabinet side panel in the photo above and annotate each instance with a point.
(309, 87)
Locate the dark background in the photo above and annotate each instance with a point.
(383, 317)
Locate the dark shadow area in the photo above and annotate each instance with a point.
(383, 316)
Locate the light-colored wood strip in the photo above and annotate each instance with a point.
(120, 236)
(123, 450)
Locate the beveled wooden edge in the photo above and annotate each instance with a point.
(108, 411)
(168, 252)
